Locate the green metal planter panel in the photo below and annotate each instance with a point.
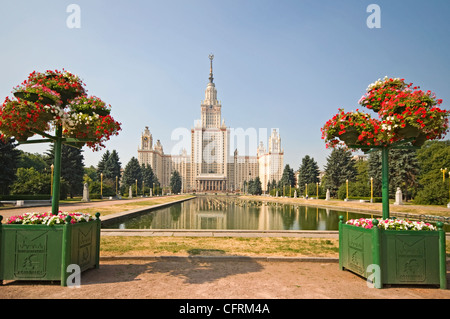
(410, 257)
(404, 256)
(40, 252)
(30, 252)
(357, 252)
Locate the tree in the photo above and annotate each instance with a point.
(36, 160)
(109, 165)
(403, 171)
(175, 182)
(340, 167)
(147, 175)
(102, 167)
(9, 157)
(288, 177)
(132, 173)
(114, 165)
(433, 182)
(72, 167)
(257, 189)
(309, 172)
(32, 182)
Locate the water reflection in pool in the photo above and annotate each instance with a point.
(232, 213)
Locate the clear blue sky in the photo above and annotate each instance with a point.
(278, 64)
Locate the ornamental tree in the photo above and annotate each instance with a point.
(56, 101)
(47, 100)
(407, 117)
(404, 113)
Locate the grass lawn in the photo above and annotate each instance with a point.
(214, 246)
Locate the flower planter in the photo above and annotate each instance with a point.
(43, 253)
(349, 137)
(34, 97)
(404, 256)
(409, 131)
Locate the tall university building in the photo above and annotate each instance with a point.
(211, 167)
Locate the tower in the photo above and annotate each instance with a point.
(209, 140)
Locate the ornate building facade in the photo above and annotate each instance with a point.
(211, 167)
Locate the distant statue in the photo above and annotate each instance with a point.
(398, 197)
(328, 195)
(130, 192)
(85, 193)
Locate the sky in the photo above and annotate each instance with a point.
(284, 64)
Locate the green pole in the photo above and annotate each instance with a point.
(376, 253)
(442, 256)
(341, 243)
(385, 181)
(57, 170)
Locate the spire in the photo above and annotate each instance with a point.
(211, 57)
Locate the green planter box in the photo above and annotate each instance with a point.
(41, 252)
(401, 256)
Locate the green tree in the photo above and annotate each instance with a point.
(340, 167)
(308, 173)
(403, 171)
(175, 182)
(90, 174)
(132, 173)
(35, 160)
(433, 188)
(147, 175)
(102, 167)
(9, 157)
(257, 188)
(32, 182)
(288, 177)
(72, 167)
(114, 165)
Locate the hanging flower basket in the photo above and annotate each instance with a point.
(349, 137)
(409, 131)
(46, 100)
(33, 97)
(404, 112)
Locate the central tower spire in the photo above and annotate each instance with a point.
(211, 57)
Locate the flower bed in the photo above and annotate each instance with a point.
(48, 219)
(393, 224)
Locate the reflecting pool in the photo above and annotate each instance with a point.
(232, 213)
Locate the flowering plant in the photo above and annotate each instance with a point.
(57, 98)
(391, 224)
(403, 113)
(49, 219)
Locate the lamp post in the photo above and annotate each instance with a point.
(136, 187)
(317, 190)
(371, 189)
(306, 190)
(449, 182)
(346, 182)
(116, 184)
(101, 185)
(443, 170)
